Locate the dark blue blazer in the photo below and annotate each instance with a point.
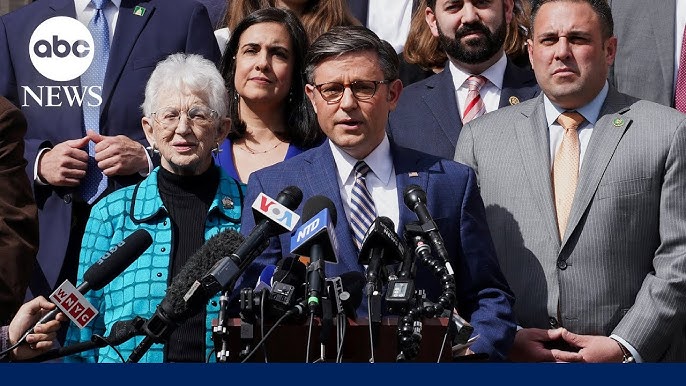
(484, 297)
(427, 118)
(168, 26)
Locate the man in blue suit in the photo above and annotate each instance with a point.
(353, 84)
(431, 112)
(140, 34)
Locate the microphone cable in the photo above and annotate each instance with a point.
(309, 338)
(263, 300)
(371, 332)
(276, 324)
(341, 327)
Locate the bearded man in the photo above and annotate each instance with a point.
(478, 77)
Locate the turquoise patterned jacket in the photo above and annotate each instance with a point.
(142, 286)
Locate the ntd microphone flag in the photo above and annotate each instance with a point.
(73, 304)
(319, 229)
(270, 208)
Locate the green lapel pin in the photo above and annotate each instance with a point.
(138, 10)
(618, 122)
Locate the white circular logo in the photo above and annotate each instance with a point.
(61, 48)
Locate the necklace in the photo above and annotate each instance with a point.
(248, 149)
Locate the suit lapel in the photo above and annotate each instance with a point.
(440, 99)
(607, 133)
(518, 85)
(533, 139)
(322, 179)
(129, 26)
(408, 171)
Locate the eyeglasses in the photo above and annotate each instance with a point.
(170, 116)
(361, 89)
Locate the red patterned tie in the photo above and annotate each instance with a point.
(474, 106)
(680, 93)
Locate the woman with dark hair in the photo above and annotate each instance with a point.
(271, 119)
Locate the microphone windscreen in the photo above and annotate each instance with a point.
(217, 247)
(290, 197)
(412, 195)
(117, 259)
(315, 205)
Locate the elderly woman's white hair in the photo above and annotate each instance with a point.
(184, 72)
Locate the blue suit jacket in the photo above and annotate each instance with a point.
(484, 297)
(167, 26)
(427, 118)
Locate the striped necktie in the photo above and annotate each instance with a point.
(95, 182)
(474, 105)
(566, 168)
(362, 211)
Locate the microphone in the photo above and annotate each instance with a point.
(288, 284)
(352, 284)
(415, 199)
(175, 308)
(275, 217)
(109, 266)
(120, 332)
(381, 246)
(316, 238)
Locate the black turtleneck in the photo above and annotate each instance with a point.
(187, 199)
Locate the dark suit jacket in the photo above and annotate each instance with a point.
(18, 213)
(427, 118)
(168, 26)
(484, 297)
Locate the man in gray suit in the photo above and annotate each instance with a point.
(649, 48)
(589, 222)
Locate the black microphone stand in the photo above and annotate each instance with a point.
(221, 330)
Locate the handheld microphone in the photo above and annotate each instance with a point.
(316, 238)
(110, 265)
(415, 199)
(265, 279)
(276, 216)
(175, 308)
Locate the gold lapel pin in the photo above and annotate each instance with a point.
(138, 10)
(618, 122)
(413, 174)
(513, 100)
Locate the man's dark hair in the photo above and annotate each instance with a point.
(344, 40)
(600, 7)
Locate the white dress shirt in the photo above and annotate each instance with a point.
(490, 92)
(380, 180)
(390, 19)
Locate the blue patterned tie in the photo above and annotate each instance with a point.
(94, 183)
(362, 211)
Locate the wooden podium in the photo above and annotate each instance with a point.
(288, 343)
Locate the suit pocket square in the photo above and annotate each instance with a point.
(624, 188)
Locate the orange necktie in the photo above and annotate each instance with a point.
(566, 168)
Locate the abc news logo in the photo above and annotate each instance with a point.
(61, 49)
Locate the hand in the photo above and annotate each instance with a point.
(118, 155)
(595, 348)
(64, 164)
(44, 334)
(532, 345)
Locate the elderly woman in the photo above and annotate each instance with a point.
(271, 119)
(182, 203)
